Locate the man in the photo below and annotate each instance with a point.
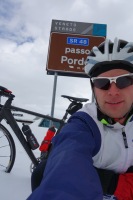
(98, 137)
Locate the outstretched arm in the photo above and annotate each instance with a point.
(69, 174)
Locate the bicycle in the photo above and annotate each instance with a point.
(7, 144)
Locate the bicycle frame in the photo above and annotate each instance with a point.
(5, 113)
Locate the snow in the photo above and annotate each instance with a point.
(16, 184)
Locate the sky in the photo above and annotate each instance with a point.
(24, 39)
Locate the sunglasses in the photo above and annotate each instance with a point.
(121, 82)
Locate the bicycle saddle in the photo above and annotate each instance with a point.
(75, 98)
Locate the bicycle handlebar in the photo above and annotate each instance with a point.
(5, 92)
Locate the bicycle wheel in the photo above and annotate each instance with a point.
(7, 150)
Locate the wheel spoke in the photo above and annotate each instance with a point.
(7, 150)
(4, 146)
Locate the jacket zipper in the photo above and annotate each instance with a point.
(124, 138)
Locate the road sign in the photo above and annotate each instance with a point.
(68, 53)
(70, 43)
(82, 28)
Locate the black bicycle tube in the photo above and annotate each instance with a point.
(36, 114)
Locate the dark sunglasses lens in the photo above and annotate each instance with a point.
(123, 82)
(103, 84)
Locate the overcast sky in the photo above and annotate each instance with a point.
(24, 38)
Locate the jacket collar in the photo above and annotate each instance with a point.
(106, 120)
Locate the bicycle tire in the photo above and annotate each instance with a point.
(7, 150)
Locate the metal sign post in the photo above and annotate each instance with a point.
(53, 96)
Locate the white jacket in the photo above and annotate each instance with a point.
(112, 155)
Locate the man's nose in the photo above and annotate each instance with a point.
(113, 90)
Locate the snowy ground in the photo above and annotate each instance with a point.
(16, 185)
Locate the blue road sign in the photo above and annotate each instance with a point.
(78, 41)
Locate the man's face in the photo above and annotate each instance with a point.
(114, 102)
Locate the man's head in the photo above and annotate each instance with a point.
(110, 69)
